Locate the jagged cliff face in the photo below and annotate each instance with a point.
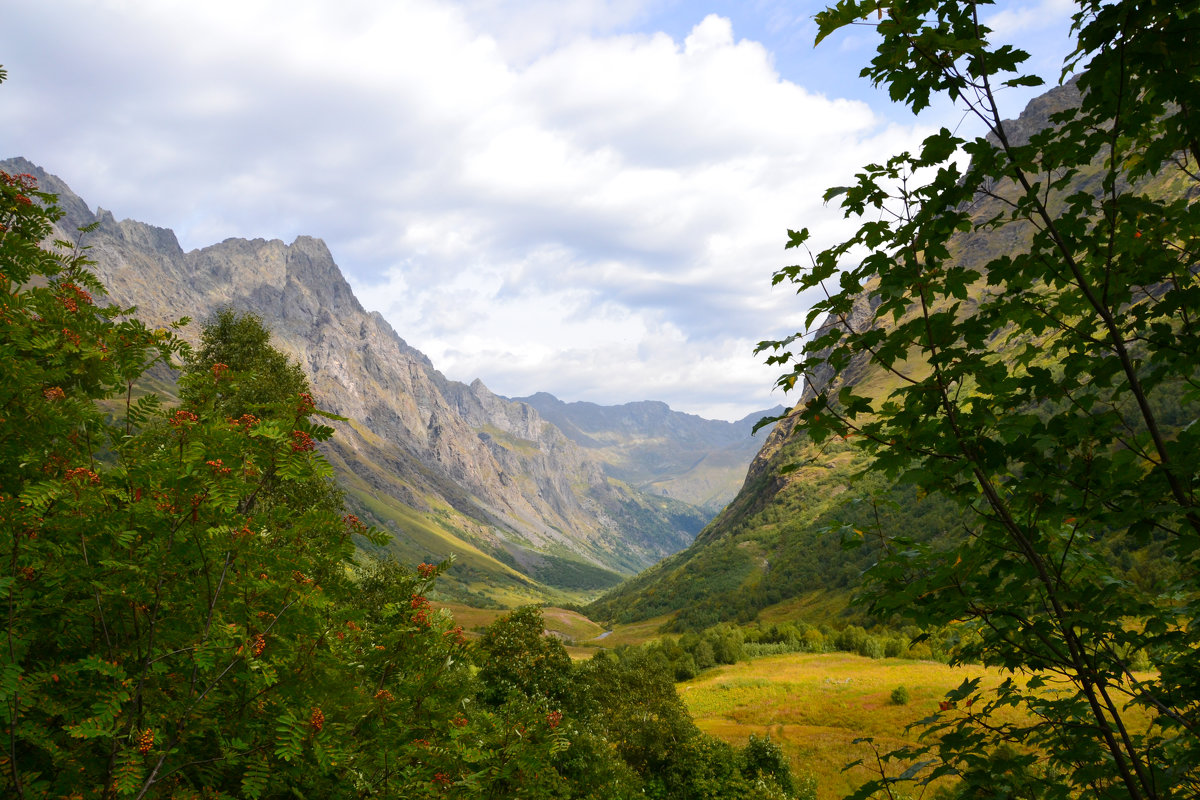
(446, 466)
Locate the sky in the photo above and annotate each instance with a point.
(584, 197)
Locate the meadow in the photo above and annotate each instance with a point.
(813, 704)
(816, 705)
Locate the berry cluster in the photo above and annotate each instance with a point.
(302, 442)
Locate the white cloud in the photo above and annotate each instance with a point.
(532, 195)
(525, 29)
(1014, 20)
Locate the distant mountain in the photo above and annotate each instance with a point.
(446, 467)
(660, 451)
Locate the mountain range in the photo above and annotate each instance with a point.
(664, 452)
(537, 499)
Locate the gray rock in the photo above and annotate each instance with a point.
(490, 473)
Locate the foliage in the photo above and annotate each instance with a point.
(1002, 774)
(565, 573)
(1033, 390)
(624, 730)
(186, 614)
(763, 758)
(749, 560)
(515, 658)
(254, 378)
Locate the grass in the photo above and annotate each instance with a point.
(570, 626)
(816, 606)
(633, 633)
(813, 705)
(816, 705)
(471, 619)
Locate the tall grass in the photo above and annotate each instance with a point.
(816, 705)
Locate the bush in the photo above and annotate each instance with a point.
(685, 668)
(763, 757)
(805, 787)
(900, 696)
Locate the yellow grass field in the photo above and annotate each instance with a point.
(472, 620)
(816, 705)
(633, 633)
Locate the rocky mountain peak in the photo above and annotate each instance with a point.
(445, 466)
(1036, 115)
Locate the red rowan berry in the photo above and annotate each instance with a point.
(302, 442)
(183, 417)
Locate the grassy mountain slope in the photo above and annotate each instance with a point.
(795, 528)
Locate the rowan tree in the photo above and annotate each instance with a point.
(186, 614)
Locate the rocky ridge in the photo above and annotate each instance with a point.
(445, 466)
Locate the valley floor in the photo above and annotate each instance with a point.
(816, 705)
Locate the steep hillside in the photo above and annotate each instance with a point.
(663, 452)
(790, 535)
(445, 466)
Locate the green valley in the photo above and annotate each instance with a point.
(274, 552)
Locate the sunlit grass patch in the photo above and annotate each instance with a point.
(570, 624)
(633, 633)
(816, 705)
(472, 619)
